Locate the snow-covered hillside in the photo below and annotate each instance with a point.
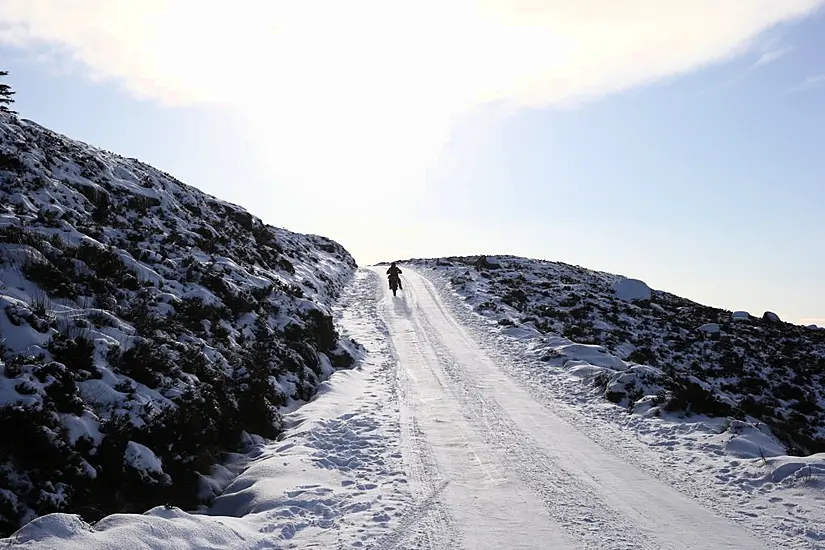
(451, 433)
(146, 328)
(653, 352)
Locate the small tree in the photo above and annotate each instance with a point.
(5, 95)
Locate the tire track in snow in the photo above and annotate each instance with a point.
(553, 392)
(414, 514)
(600, 500)
(567, 498)
(491, 508)
(426, 524)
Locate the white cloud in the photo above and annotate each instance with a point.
(810, 83)
(533, 52)
(383, 78)
(771, 55)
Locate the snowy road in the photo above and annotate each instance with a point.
(434, 441)
(499, 470)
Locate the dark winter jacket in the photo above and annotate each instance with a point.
(393, 271)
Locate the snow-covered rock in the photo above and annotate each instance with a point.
(590, 354)
(136, 308)
(631, 290)
(740, 316)
(771, 317)
(710, 328)
(141, 459)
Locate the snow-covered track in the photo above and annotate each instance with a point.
(519, 476)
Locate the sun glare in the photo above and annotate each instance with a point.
(361, 100)
(354, 98)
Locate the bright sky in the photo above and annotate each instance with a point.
(675, 141)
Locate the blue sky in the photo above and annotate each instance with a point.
(694, 163)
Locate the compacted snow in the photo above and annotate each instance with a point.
(451, 433)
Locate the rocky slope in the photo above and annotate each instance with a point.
(652, 352)
(146, 329)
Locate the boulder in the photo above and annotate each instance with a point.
(771, 317)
